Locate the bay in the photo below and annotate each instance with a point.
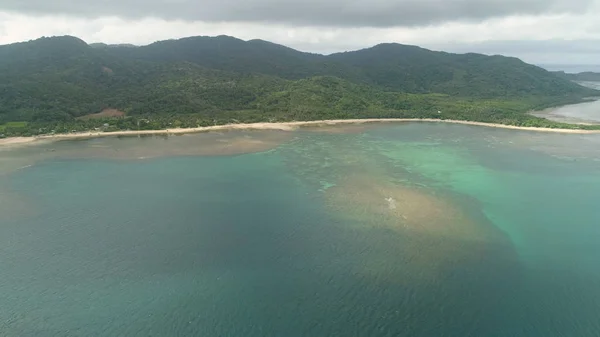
(411, 229)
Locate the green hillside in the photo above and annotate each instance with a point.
(50, 83)
(418, 70)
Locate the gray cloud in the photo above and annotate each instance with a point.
(343, 13)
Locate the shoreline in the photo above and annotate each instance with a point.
(282, 126)
(554, 114)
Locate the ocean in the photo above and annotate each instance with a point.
(405, 229)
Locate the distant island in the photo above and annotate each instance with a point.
(60, 85)
(586, 76)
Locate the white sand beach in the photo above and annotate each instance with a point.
(283, 126)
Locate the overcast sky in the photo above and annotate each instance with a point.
(539, 31)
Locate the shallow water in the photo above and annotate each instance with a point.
(583, 113)
(396, 230)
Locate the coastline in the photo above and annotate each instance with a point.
(282, 126)
(575, 114)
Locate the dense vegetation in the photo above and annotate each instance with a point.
(49, 84)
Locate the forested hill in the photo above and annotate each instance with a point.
(219, 79)
(389, 66)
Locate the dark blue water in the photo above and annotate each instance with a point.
(409, 230)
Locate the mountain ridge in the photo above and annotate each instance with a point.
(201, 78)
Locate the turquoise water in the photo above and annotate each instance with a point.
(393, 230)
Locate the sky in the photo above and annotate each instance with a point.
(558, 32)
